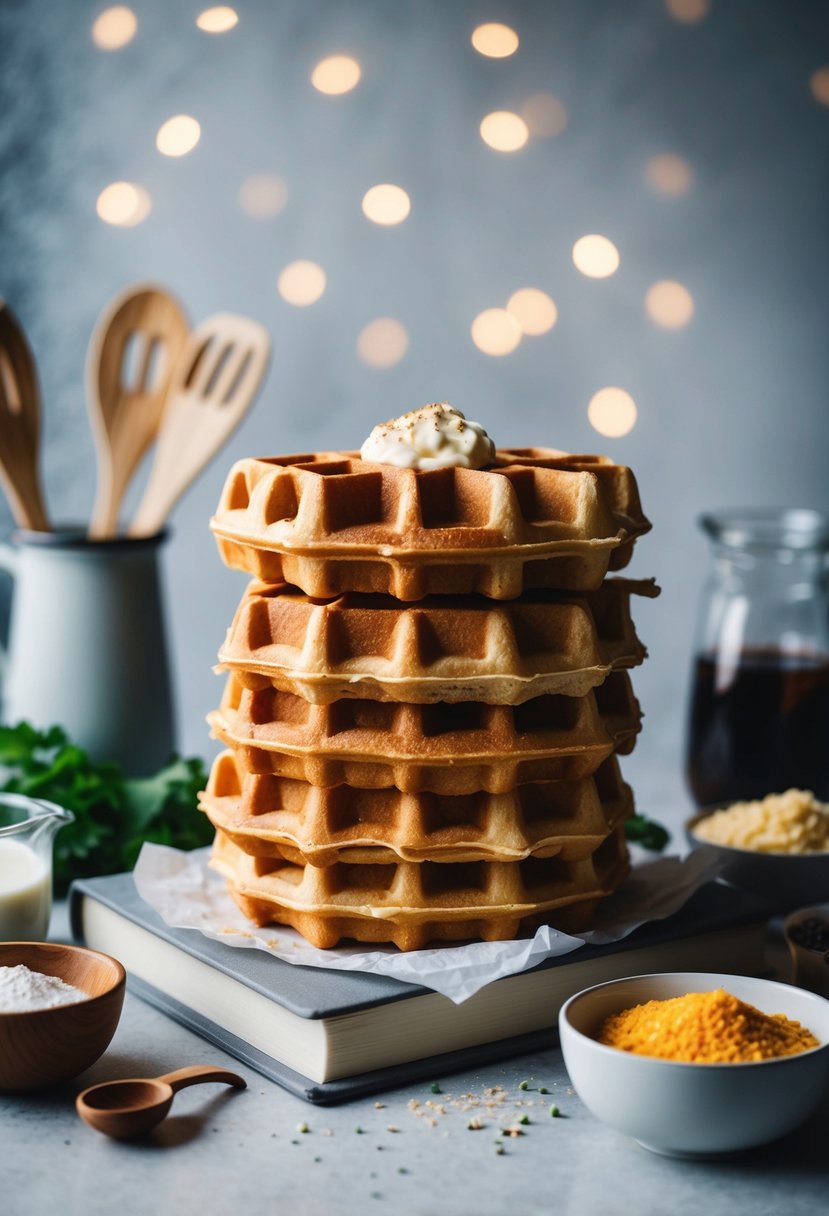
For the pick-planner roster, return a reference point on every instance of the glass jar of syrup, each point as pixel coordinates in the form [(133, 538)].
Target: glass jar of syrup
[(759, 713)]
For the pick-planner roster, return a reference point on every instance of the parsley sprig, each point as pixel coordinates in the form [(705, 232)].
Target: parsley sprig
[(114, 814), (647, 833)]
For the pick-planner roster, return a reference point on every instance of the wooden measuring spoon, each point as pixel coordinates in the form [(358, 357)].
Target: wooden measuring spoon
[(20, 425), (134, 349), (215, 382), (123, 1109)]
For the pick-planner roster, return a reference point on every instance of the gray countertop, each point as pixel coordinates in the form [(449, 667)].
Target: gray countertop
[(226, 1151)]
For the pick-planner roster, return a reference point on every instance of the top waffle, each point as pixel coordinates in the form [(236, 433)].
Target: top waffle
[(330, 522)]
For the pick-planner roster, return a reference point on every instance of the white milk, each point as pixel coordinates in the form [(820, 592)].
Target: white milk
[(25, 893)]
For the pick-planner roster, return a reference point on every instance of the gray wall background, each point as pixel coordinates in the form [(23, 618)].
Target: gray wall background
[(732, 409)]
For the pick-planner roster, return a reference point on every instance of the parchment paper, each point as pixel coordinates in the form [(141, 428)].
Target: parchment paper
[(188, 895)]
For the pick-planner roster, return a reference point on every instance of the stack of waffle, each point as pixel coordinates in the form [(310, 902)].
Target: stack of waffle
[(427, 690)]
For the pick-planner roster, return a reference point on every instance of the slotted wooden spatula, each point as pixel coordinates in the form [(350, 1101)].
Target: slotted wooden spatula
[(214, 384), (20, 425), (132, 356)]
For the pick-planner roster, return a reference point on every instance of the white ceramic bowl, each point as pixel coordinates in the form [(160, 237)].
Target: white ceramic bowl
[(787, 880), (694, 1110)]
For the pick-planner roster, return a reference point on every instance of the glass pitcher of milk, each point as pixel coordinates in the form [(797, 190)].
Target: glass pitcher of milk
[(28, 827)]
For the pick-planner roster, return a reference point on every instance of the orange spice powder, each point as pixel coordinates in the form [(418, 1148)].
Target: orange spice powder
[(705, 1028)]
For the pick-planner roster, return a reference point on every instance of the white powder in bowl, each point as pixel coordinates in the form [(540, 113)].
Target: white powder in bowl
[(22, 989)]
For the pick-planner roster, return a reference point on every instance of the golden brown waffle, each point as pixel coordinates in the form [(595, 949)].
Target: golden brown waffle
[(441, 649), (270, 816), (446, 749), (330, 522), (412, 904)]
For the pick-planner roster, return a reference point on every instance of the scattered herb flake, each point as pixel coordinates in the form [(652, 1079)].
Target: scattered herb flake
[(554, 1111), (542, 1089), (524, 1085), (435, 1088)]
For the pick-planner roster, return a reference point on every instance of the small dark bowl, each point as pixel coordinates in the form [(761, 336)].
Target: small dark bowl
[(811, 967), (787, 880), (41, 1047)]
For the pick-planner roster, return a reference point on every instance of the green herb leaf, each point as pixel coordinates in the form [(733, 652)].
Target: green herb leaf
[(114, 814), (647, 832)]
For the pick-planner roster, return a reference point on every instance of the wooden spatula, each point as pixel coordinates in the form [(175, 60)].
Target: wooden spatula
[(20, 425), (215, 382), (135, 347)]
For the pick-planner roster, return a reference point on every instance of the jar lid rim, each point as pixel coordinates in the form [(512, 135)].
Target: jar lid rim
[(768, 527)]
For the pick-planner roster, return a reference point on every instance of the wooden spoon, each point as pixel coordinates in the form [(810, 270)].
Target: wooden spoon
[(123, 1109), (20, 425), (215, 382), (134, 349)]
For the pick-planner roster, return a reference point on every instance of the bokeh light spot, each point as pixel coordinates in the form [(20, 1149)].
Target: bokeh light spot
[(688, 11), (178, 135), (386, 204), (263, 195), (545, 115), (612, 412), (819, 84), (495, 40), (123, 204), (336, 74), (495, 332), (669, 175), (114, 28), (301, 283), (533, 309), (217, 20), (504, 131), (595, 256), (669, 304), (382, 342)]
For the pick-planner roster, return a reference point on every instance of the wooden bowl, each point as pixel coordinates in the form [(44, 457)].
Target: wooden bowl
[(46, 1046)]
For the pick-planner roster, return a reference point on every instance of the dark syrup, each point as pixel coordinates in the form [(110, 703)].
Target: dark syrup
[(760, 728)]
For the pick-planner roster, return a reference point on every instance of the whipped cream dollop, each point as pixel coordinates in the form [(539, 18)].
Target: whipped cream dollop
[(433, 437)]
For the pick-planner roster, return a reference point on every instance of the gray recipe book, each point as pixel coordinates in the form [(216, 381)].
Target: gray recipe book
[(329, 1036)]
